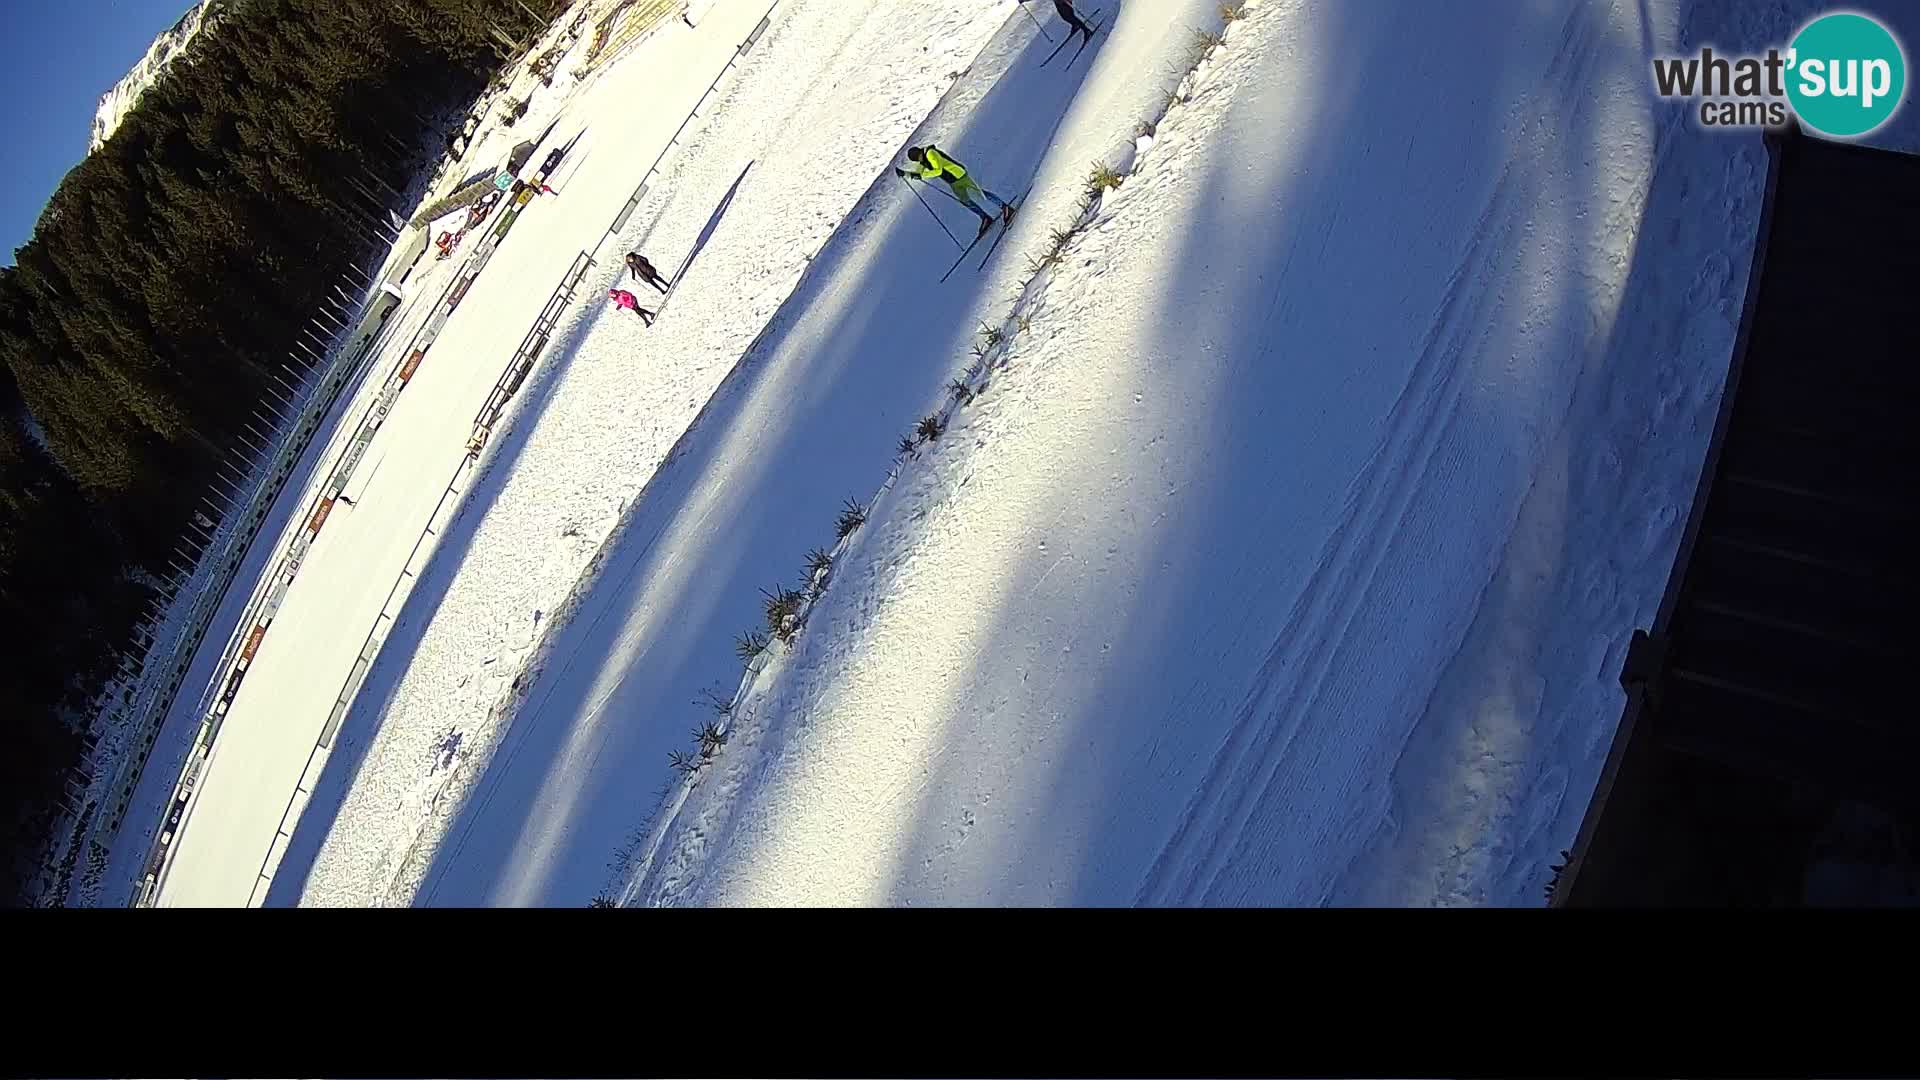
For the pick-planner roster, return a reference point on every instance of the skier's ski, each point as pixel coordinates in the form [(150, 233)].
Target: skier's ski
[(1084, 42), (1063, 42), (963, 255), (1006, 222)]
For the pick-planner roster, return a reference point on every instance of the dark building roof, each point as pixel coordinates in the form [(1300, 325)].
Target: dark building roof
[(1772, 730)]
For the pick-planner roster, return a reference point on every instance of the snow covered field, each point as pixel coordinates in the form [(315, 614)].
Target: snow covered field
[(823, 99), (1285, 556), (257, 765), (1290, 559)]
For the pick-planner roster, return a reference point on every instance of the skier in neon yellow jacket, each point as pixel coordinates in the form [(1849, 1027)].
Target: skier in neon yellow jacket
[(932, 164)]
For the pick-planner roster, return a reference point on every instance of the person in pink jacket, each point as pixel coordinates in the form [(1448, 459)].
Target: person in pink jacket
[(625, 299)]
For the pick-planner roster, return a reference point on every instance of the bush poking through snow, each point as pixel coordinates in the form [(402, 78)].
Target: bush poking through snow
[(1103, 178), (716, 700), (930, 428), (961, 392), (602, 902), (1026, 323), (908, 448), (819, 561), (1144, 129), (710, 737), (1232, 13), (992, 334), (1204, 42), (851, 517), (783, 610), (750, 645), (685, 761)]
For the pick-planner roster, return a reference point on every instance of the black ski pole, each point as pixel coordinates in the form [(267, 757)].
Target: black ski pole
[(929, 206), (1036, 21)]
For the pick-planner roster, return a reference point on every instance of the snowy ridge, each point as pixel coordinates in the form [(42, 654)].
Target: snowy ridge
[(117, 102)]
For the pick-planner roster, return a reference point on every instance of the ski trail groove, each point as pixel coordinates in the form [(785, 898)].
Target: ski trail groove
[(1215, 820)]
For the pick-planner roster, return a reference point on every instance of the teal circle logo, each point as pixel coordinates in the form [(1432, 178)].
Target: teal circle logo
[(1847, 75)]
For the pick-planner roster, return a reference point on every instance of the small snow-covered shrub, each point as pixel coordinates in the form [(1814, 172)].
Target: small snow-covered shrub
[(782, 606), (717, 700), (852, 516), (710, 738), (750, 645), (818, 561)]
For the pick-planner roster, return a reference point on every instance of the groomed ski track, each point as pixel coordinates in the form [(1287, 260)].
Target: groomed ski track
[(1290, 558), (1286, 560), (856, 356)]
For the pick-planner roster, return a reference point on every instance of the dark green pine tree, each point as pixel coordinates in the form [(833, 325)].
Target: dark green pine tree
[(169, 275)]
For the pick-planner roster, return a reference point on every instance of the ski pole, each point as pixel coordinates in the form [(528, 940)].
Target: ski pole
[(929, 206), (1036, 20)]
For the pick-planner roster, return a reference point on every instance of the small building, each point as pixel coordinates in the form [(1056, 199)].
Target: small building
[(1769, 755)]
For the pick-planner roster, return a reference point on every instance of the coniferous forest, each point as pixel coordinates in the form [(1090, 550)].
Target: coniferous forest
[(163, 285)]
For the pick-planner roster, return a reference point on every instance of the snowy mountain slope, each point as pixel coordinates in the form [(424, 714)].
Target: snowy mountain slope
[(1290, 559), (854, 358), (824, 98), (117, 102), (1287, 559)]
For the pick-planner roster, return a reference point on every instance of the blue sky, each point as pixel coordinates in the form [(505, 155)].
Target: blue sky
[(56, 58)]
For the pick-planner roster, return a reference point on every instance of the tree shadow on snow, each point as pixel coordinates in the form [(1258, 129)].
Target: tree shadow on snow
[(1617, 483), (1256, 780), (360, 728), (808, 416)]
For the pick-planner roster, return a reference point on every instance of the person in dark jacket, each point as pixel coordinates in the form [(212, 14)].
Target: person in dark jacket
[(643, 270)]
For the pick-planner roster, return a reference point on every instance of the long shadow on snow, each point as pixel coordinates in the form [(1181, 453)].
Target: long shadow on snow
[(807, 417), (1287, 314), (1637, 431), (706, 233), (361, 727)]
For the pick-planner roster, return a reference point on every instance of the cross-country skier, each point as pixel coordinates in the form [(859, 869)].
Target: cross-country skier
[(643, 271), (931, 163), (625, 299)]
